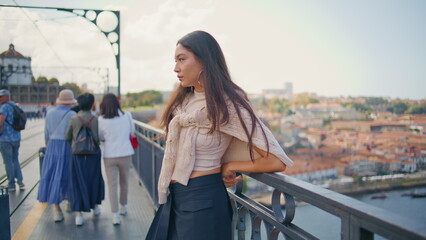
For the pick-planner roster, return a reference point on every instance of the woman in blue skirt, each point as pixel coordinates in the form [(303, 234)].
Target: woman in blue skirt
[(212, 133), (54, 179), (87, 189)]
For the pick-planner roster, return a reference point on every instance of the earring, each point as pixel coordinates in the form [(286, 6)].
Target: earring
[(198, 78)]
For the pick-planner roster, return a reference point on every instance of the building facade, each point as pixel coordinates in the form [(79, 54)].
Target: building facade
[(15, 68), (17, 77)]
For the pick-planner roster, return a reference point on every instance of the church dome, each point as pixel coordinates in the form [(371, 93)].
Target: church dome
[(11, 53)]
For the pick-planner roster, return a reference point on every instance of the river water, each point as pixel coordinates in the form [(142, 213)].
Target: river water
[(326, 226)]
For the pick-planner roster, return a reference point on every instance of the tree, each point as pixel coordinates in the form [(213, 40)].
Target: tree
[(53, 80), (304, 99), (73, 87), (145, 98), (41, 79), (417, 109), (263, 102), (360, 107), (398, 107), (276, 105), (151, 97)]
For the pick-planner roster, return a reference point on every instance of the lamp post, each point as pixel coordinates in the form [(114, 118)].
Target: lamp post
[(92, 15)]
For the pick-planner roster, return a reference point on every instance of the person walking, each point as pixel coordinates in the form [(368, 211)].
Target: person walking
[(10, 140), (211, 133), (115, 127), (87, 188), (54, 181)]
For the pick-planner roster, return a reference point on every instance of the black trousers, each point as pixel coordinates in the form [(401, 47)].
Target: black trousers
[(200, 210)]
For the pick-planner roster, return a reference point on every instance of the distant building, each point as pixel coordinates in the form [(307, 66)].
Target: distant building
[(286, 92), (317, 175), (388, 127), (17, 77), (15, 68), (35, 93)]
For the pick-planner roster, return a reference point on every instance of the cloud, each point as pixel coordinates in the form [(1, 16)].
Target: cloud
[(149, 43), (60, 45), (330, 52)]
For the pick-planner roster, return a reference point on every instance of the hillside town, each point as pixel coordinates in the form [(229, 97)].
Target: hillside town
[(333, 144)]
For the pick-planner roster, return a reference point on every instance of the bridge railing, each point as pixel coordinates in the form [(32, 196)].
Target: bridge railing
[(359, 221)]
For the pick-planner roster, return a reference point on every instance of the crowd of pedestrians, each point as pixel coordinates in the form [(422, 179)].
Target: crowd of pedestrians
[(76, 178)]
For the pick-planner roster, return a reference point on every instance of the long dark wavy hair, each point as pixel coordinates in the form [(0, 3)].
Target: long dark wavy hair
[(218, 87), (110, 106)]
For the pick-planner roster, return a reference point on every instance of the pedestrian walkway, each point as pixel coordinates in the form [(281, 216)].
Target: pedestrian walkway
[(33, 220), (32, 138)]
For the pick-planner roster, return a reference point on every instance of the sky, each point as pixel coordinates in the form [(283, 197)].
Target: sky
[(330, 47)]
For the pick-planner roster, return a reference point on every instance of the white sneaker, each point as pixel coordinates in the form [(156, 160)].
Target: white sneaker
[(96, 211), (58, 216), (123, 210), (79, 220), (116, 219)]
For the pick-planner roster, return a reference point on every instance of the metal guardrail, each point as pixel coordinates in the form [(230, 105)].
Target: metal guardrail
[(148, 157), (359, 221)]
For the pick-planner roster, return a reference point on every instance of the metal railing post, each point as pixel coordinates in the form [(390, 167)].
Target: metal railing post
[(153, 173), (4, 215)]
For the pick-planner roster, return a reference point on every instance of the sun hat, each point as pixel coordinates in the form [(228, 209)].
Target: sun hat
[(4, 92), (66, 96)]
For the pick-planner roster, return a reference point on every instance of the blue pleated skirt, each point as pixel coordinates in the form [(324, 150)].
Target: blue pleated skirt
[(87, 187), (200, 210), (53, 187)]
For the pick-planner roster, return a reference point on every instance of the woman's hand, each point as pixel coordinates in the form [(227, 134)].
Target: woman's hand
[(228, 176)]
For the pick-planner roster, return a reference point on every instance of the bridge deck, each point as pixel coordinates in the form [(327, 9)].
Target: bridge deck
[(33, 220)]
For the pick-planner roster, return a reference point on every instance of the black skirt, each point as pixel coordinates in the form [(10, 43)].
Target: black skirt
[(200, 210), (87, 187)]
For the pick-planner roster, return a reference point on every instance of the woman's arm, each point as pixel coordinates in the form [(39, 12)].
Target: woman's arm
[(265, 163)]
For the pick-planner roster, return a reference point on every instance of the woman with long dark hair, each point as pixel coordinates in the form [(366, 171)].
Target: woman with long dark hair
[(212, 133), (115, 127)]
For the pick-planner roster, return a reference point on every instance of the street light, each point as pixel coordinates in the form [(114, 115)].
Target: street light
[(92, 15)]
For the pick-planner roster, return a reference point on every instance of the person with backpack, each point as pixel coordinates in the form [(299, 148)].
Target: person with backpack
[(87, 188), (10, 140), (54, 180)]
